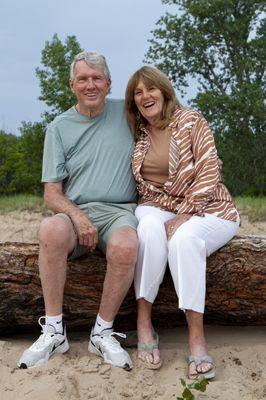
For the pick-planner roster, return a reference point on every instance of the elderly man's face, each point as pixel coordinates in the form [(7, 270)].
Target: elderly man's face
[(90, 86)]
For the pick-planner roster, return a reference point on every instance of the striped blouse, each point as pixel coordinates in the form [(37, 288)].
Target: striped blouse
[(194, 184)]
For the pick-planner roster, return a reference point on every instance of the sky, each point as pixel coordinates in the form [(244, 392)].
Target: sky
[(119, 29)]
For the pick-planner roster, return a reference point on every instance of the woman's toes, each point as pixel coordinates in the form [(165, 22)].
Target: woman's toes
[(206, 367), (156, 356), (146, 357), (203, 368), (192, 369)]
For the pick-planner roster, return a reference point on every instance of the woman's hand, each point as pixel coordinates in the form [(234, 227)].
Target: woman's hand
[(173, 224)]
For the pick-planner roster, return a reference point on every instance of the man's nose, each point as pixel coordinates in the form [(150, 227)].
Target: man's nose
[(90, 83)]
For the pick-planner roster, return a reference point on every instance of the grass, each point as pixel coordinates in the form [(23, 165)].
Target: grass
[(253, 207), (21, 202)]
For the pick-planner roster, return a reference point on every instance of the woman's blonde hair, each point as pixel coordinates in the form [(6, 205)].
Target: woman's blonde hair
[(150, 76)]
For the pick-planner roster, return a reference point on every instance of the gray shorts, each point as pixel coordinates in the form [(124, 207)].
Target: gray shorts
[(107, 217)]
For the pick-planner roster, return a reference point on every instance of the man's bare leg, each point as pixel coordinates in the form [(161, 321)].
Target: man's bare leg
[(121, 258), (57, 240)]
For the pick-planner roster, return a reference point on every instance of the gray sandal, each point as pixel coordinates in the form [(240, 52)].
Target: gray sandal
[(198, 360), (149, 349)]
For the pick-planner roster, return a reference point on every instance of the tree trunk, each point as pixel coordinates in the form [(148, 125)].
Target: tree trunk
[(236, 289)]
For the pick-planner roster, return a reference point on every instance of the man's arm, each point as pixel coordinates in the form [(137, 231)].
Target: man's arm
[(56, 201)]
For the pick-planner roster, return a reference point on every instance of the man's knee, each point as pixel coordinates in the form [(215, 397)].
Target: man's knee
[(55, 231), (122, 248)]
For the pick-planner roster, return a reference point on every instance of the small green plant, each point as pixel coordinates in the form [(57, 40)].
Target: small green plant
[(199, 384)]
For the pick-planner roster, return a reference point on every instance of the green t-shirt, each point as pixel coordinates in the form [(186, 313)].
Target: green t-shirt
[(92, 156)]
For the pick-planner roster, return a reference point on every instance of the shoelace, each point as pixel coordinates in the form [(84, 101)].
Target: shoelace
[(46, 330), (111, 340)]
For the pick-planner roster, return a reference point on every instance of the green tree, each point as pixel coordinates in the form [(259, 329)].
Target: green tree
[(220, 43), (7, 168), (21, 157), (26, 159), (54, 75)]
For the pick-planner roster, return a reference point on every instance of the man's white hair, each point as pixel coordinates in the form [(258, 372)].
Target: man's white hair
[(92, 58)]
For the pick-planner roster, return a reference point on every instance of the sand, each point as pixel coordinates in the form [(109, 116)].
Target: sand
[(239, 354), (23, 226)]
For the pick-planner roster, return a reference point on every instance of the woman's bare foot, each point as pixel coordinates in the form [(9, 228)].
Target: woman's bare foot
[(146, 337), (197, 347), (197, 344)]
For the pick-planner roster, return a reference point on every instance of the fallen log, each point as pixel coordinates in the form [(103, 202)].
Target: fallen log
[(236, 289)]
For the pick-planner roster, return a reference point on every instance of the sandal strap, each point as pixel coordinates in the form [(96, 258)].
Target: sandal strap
[(150, 346), (200, 359)]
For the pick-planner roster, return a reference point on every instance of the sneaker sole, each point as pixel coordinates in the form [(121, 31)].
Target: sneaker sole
[(63, 348), (92, 349)]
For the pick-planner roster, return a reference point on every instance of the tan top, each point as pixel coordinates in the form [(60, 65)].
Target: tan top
[(155, 167), (194, 184)]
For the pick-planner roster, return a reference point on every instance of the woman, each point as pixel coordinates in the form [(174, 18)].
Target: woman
[(185, 211)]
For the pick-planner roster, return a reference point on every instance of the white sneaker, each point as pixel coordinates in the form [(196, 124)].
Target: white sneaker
[(49, 342), (106, 346)]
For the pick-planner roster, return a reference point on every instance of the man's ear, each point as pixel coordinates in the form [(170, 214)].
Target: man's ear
[(71, 85), (109, 85)]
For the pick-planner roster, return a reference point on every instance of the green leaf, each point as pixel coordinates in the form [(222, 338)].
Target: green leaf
[(183, 382), (187, 395)]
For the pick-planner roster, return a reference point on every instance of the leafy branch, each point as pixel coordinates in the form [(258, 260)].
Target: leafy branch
[(199, 384)]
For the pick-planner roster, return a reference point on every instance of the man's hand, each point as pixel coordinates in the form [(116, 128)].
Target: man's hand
[(56, 201), (87, 232), (173, 224)]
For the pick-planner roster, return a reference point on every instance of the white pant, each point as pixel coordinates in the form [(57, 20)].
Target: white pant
[(186, 253)]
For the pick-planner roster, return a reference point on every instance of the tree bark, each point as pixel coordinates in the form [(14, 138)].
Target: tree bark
[(236, 289)]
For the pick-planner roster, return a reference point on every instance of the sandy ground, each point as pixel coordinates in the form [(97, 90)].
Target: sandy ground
[(239, 354), (23, 226)]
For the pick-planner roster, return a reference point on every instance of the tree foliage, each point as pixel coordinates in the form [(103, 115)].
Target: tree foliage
[(7, 168), (21, 157), (54, 75), (21, 160), (28, 159), (221, 44)]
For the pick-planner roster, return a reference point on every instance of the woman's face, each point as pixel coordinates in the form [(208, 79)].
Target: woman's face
[(149, 101)]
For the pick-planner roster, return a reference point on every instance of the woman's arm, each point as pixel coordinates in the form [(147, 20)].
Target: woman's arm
[(207, 175), (206, 168)]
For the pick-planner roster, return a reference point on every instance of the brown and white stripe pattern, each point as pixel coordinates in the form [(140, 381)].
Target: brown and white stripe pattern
[(194, 185)]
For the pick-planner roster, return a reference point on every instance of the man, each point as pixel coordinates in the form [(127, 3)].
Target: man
[(90, 188)]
